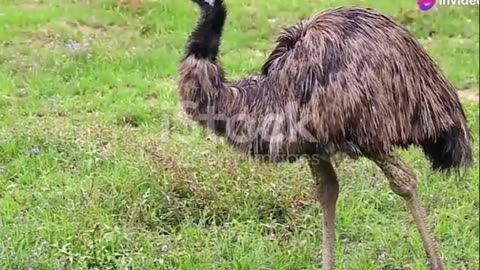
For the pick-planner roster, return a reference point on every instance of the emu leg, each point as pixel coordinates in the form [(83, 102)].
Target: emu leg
[(326, 192), (404, 183)]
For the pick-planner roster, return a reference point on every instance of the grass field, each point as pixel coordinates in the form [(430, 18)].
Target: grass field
[(99, 169)]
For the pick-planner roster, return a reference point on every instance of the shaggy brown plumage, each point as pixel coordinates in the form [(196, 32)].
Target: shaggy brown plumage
[(348, 80), (359, 83)]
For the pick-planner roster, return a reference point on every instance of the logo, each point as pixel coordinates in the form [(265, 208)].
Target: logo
[(425, 5)]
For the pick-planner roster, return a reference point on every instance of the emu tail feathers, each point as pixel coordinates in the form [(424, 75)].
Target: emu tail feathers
[(451, 150), (204, 41)]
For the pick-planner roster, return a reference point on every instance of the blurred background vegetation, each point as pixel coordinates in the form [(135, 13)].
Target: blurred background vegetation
[(99, 169)]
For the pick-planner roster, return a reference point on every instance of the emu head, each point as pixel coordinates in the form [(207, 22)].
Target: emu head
[(202, 3)]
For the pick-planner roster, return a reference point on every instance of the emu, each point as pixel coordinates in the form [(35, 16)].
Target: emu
[(347, 80)]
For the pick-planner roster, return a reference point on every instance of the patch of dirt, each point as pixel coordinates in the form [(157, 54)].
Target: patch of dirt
[(450, 41), (80, 36), (32, 5), (86, 28), (151, 96), (48, 39), (469, 95), (131, 5), (77, 36)]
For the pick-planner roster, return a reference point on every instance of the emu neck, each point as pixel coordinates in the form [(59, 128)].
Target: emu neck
[(200, 79), (204, 41), (201, 88)]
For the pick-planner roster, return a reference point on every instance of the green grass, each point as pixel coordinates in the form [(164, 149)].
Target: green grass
[(99, 169)]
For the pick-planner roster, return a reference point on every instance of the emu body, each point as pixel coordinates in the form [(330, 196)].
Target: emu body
[(347, 80)]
